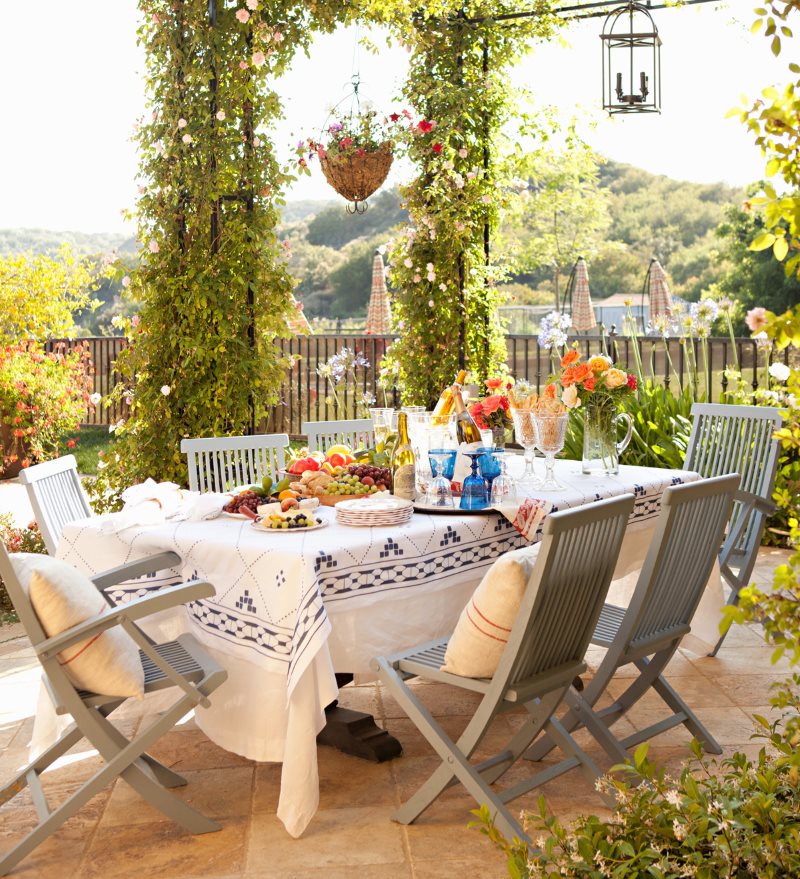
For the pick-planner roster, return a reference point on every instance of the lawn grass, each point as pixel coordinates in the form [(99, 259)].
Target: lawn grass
[(89, 442)]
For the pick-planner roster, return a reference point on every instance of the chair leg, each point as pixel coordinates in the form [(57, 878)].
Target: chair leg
[(692, 722)]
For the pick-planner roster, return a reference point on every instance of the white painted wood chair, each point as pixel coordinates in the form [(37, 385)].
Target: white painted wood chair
[(223, 463), (181, 664), (355, 433), (738, 439), (544, 653), (647, 633), (56, 496)]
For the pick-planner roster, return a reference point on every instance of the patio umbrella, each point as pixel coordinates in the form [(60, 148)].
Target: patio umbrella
[(298, 323), (657, 289), (583, 318), (379, 314)]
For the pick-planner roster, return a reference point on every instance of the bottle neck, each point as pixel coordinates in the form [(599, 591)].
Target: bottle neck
[(458, 400), (402, 429)]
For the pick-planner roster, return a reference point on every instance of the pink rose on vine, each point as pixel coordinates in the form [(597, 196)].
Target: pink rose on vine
[(259, 59), (243, 15)]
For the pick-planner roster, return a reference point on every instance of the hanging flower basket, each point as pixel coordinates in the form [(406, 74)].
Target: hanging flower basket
[(355, 177)]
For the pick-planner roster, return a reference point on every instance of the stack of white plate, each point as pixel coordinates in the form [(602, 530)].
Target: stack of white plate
[(374, 511)]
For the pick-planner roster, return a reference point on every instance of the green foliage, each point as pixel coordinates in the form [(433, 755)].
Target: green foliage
[(40, 294), (739, 817), (92, 444), (48, 243), (331, 227), (16, 539), (43, 398), (773, 120)]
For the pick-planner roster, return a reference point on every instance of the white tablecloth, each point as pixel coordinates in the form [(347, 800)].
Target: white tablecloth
[(292, 608)]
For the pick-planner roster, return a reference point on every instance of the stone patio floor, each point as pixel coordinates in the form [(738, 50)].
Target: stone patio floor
[(117, 835)]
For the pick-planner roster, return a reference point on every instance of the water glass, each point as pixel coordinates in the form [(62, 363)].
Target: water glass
[(489, 464), (383, 423), (504, 489), (439, 493), (446, 459)]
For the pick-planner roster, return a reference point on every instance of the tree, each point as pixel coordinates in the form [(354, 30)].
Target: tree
[(39, 295), (561, 214)]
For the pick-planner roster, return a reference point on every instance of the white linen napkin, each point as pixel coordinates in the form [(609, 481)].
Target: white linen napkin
[(153, 503)]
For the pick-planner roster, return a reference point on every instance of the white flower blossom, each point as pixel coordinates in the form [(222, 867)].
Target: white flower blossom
[(780, 371), (95, 399), (166, 390)]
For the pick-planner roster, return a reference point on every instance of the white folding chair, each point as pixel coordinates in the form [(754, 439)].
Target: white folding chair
[(222, 463), (738, 439), (675, 572), (181, 664), (356, 433), (543, 655), (57, 497)]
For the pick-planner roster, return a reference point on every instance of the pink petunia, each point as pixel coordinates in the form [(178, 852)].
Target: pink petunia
[(243, 15)]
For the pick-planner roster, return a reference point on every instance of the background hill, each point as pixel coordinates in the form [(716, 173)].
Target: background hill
[(699, 232)]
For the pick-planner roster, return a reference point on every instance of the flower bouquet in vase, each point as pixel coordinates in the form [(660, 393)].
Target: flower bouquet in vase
[(493, 412), (598, 386)]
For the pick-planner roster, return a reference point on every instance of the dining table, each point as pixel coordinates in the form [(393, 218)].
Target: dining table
[(294, 608)]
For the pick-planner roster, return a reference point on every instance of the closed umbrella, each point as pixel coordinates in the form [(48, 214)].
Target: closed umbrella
[(379, 314), (657, 289), (298, 322), (583, 318)]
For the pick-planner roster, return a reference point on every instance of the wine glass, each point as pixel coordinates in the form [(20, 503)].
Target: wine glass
[(473, 489), (527, 434), (504, 489), (382, 420), (439, 492), (489, 465), (552, 431)]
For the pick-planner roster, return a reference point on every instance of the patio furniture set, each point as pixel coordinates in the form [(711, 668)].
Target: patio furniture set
[(255, 632)]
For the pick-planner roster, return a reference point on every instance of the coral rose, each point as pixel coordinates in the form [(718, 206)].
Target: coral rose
[(569, 358), (590, 382), (549, 392), (616, 378), (492, 404), (493, 383)]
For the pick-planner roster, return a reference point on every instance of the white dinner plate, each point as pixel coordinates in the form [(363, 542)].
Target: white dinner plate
[(235, 515), (259, 527)]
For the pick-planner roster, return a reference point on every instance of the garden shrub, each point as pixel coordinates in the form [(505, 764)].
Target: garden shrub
[(16, 539)]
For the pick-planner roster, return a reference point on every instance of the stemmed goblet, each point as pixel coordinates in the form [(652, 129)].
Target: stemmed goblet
[(504, 490), (439, 492), (527, 434), (473, 489), (552, 431)]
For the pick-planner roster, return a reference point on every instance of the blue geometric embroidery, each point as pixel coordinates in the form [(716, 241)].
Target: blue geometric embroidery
[(638, 490), (390, 546), (245, 602), (325, 557), (450, 536)]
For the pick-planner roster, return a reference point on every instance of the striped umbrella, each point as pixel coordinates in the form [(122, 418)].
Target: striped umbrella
[(298, 322), (583, 318), (379, 314), (657, 289)]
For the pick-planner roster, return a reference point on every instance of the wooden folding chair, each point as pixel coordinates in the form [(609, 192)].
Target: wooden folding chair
[(678, 564), (738, 439), (356, 433), (181, 664), (223, 463), (543, 655), (57, 497)]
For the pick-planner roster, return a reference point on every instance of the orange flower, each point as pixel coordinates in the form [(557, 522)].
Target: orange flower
[(569, 358), (582, 372), (549, 392), (599, 363), (568, 376), (589, 383)]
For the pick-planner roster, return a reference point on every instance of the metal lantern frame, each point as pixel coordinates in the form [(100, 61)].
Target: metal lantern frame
[(625, 98)]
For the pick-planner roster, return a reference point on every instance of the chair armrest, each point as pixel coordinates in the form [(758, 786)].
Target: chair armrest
[(138, 568), (762, 505), (171, 596)]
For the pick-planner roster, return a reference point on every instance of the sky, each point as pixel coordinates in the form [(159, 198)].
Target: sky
[(68, 162)]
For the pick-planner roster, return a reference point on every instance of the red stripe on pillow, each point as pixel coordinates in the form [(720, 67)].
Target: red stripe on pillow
[(488, 635), (85, 647), (494, 625)]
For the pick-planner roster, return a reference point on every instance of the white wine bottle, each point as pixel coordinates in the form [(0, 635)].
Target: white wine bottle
[(403, 463), (466, 429), (444, 405)]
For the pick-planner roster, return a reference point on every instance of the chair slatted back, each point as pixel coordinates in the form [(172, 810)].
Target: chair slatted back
[(737, 439), (567, 589), (57, 497), (223, 463), (680, 560), (356, 433)]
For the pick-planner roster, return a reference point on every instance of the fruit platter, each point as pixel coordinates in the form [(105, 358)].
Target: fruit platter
[(339, 475), (246, 503), (291, 520)]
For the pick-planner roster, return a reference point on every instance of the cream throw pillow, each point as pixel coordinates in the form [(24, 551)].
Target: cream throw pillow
[(107, 663), (485, 624)]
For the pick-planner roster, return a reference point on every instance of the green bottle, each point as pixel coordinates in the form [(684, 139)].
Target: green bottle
[(403, 463)]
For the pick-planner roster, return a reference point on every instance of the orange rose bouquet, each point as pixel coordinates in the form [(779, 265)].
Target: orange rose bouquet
[(597, 377), (493, 410)]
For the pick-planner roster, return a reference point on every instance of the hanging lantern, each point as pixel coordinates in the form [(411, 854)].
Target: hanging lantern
[(631, 61)]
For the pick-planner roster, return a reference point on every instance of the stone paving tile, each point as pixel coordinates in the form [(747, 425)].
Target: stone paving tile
[(117, 835)]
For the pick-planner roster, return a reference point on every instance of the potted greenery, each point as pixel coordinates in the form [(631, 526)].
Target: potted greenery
[(43, 396)]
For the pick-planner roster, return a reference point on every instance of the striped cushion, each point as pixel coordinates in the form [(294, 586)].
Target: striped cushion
[(483, 628), (107, 663)]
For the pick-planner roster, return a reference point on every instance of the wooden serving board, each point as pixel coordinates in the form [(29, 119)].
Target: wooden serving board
[(330, 500)]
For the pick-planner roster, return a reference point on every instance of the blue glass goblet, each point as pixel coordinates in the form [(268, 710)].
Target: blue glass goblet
[(489, 465), (447, 458), (473, 490)]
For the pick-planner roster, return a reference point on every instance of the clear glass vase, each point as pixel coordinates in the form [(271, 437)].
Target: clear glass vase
[(601, 450)]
